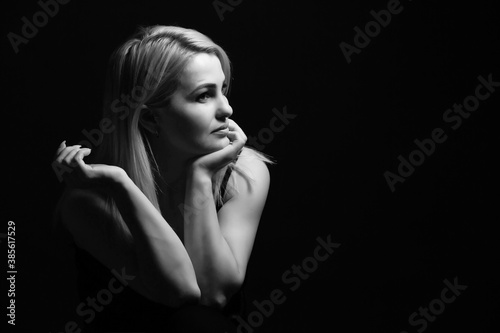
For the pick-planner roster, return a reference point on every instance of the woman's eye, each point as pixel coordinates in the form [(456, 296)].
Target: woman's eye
[(203, 97)]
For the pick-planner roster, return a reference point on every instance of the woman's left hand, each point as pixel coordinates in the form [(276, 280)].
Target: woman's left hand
[(212, 162)]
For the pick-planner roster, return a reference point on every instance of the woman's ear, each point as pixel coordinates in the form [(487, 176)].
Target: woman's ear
[(148, 121)]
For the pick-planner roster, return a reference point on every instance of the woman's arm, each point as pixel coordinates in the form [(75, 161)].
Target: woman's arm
[(164, 264), (220, 244), (154, 253)]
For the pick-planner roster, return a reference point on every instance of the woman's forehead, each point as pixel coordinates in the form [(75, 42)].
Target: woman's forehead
[(202, 68)]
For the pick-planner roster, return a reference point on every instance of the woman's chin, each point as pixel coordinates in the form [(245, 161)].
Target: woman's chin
[(213, 146), (221, 143)]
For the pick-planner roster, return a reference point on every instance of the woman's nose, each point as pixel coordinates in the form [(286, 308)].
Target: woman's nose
[(225, 110)]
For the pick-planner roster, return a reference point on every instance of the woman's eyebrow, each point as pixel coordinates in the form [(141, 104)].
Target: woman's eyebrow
[(207, 85)]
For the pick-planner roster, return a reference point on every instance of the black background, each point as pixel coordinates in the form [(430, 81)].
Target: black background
[(353, 121)]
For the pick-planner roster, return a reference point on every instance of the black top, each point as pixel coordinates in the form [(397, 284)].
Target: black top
[(123, 309)]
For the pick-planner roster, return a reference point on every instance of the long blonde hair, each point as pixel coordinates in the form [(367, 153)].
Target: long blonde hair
[(144, 72)]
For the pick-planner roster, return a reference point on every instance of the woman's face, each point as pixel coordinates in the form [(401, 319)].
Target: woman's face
[(198, 109)]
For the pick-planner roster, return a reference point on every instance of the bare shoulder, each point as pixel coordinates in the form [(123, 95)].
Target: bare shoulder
[(252, 175), (254, 165), (240, 215)]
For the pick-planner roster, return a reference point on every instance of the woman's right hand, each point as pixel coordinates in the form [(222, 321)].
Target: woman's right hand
[(84, 175)]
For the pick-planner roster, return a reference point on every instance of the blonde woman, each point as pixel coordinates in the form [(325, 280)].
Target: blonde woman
[(170, 201)]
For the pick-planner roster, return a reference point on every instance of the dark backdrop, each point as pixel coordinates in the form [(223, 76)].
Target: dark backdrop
[(352, 122)]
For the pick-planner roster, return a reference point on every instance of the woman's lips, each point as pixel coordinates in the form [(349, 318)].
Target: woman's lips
[(222, 131), (223, 128)]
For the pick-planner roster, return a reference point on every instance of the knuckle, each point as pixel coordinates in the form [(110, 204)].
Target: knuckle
[(78, 156), (68, 160)]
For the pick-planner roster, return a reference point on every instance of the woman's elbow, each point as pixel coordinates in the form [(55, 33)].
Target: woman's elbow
[(218, 300), (220, 297)]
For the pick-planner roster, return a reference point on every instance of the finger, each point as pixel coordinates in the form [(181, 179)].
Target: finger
[(235, 147), (83, 152), (69, 159), (233, 126), (66, 151), (236, 131), (77, 154), (60, 148), (80, 155), (79, 159), (238, 138), (62, 155)]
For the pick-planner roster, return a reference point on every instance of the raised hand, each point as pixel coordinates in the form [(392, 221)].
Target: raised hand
[(85, 175), (212, 162)]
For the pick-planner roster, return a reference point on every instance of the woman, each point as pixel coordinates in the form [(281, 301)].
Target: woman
[(173, 198)]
